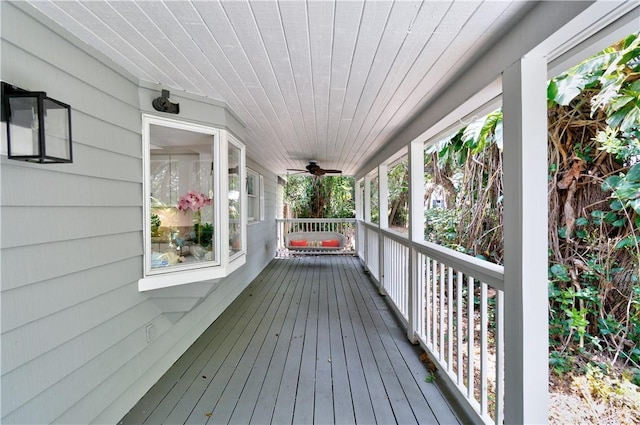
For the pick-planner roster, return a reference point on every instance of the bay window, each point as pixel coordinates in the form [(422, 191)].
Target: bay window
[(183, 211)]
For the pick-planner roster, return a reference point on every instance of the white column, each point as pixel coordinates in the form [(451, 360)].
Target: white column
[(359, 213), (367, 219), (367, 200), (416, 191), (359, 200), (525, 241), (383, 195), (383, 219), (416, 233)]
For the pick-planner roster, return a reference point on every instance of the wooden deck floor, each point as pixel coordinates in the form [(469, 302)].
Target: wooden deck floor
[(309, 341)]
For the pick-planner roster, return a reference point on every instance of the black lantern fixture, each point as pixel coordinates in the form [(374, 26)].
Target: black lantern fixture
[(38, 127)]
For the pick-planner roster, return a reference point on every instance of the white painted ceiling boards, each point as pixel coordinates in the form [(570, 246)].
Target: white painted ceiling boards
[(325, 80)]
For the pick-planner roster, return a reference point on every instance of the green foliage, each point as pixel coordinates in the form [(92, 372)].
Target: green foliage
[(375, 202), (625, 188), (327, 196), (155, 225), (589, 283), (559, 363), (442, 227), (430, 378), (484, 131), (619, 96), (205, 232), (398, 185), (622, 148)]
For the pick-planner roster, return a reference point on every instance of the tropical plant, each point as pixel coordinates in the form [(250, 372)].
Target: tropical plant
[(594, 201), (318, 197)]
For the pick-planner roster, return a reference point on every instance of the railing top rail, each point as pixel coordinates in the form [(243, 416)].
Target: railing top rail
[(315, 220)]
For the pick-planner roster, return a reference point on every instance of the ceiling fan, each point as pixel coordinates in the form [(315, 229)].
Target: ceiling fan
[(315, 170)]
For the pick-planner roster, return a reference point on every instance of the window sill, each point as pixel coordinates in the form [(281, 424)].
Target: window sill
[(169, 279)]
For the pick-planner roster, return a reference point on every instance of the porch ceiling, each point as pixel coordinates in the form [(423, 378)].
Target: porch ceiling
[(331, 81)]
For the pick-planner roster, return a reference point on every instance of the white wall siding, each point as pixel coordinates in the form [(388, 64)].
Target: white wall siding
[(74, 346)]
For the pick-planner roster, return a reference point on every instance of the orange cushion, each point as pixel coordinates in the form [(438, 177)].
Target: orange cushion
[(333, 243), (298, 243)]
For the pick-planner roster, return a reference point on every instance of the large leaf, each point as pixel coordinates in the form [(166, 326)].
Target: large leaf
[(568, 87), (626, 242), (634, 173), (627, 190), (611, 182), (472, 134), (482, 131), (635, 204), (559, 271), (498, 134), (595, 64), (632, 118)]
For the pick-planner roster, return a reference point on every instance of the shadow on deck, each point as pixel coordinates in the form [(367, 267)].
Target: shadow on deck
[(309, 341)]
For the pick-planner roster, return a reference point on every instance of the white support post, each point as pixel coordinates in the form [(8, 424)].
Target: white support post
[(366, 215), (525, 241), (383, 195), (359, 214), (359, 200), (383, 220), (416, 233), (416, 191)]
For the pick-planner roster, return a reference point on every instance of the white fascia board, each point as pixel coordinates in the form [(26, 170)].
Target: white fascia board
[(614, 21)]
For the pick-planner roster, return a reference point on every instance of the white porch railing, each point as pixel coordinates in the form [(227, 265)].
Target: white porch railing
[(344, 226), (456, 312)]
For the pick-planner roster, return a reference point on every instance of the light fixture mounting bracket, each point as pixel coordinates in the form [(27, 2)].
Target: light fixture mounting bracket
[(163, 104)]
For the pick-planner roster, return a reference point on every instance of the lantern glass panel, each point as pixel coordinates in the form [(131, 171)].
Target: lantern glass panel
[(57, 131), (24, 127)]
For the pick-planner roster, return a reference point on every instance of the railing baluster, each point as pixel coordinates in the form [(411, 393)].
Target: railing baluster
[(499, 332), (434, 301), (406, 273), (459, 309), (484, 325), (470, 342), (442, 312), (427, 302), (450, 320), (420, 293)]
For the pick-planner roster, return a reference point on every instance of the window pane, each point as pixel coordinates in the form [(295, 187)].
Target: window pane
[(235, 196), (253, 195), (181, 186)]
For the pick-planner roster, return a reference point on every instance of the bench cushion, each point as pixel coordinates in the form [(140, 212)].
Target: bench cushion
[(332, 243), (318, 241)]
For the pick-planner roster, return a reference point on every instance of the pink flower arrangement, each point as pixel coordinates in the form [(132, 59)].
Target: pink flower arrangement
[(193, 201)]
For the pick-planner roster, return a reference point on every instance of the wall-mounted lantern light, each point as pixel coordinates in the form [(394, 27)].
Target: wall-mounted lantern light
[(38, 127)]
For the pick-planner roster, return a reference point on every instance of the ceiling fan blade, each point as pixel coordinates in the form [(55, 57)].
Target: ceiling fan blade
[(333, 171), (295, 169)]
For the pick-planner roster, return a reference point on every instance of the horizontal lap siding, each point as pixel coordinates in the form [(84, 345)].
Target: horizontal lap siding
[(72, 316), (74, 346)]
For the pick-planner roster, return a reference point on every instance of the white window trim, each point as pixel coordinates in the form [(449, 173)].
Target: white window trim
[(261, 197), (229, 139), (258, 195)]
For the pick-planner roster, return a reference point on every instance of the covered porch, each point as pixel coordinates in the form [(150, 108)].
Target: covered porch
[(309, 341), (350, 85)]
